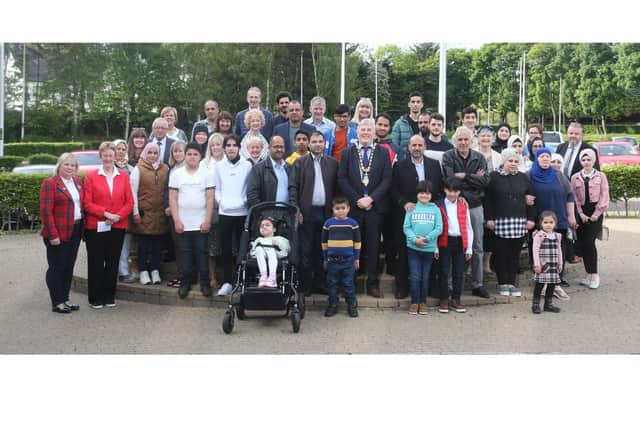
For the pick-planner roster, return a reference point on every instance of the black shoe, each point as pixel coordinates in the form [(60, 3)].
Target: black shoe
[(480, 292), (72, 307), (183, 291), (206, 290), (564, 283), (535, 306), (352, 310), (63, 310), (548, 306), (331, 310)]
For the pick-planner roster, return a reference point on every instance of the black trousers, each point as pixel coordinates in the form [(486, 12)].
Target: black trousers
[(312, 274), (587, 233), (370, 225), (230, 232), (506, 258), (103, 255), (61, 259), (402, 264)]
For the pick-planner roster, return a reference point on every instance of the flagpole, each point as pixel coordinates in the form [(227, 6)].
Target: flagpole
[(442, 88), (342, 73)]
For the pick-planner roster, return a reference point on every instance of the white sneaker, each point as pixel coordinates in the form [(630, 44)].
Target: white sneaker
[(155, 277), (504, 290), (144, 278), (515, 292), (595, 282), (112, 305), (225, 289)]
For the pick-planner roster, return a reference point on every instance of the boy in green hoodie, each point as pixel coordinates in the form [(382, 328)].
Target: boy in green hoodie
[(422, 226)]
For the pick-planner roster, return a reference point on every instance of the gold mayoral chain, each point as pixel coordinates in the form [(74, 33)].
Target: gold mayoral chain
[(365, 171)]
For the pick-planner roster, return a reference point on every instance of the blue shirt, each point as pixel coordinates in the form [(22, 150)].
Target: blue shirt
[(282, 193)]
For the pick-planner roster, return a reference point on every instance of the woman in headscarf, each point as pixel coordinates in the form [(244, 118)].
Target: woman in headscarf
[(503, 132), (515, 142), (123, 166), (148, 181), (591, 190)]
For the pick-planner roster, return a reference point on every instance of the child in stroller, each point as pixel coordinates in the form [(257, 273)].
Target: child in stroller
[(267, 249)]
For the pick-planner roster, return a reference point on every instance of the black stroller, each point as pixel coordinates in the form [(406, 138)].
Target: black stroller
[(246, 294)]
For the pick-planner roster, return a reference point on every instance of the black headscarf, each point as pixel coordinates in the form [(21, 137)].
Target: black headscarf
[(500, 144)]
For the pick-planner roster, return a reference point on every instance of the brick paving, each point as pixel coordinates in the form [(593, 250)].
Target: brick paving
[(606, 320)]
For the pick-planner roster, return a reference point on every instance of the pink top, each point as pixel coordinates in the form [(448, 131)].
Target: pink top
[(598, 191)]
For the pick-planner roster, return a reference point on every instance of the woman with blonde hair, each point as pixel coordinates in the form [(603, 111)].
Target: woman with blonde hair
[(61, 198), (170, 114), (363, 110), (254, 120)]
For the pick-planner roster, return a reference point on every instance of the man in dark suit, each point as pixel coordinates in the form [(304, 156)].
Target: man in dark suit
[(288, 130), (316, 179), (159, 136), (272, 180), (407, 173), (254, 96), (571, 149), (364, 177)]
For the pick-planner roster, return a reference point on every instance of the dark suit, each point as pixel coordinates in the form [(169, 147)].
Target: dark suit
[(262, 183), (312, 272), (562, 150), (403, 190), (350, 183), (283, 131)]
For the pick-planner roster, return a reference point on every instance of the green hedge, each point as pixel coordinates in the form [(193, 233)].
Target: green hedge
[(26, 149), (624, 182), (42, 159), (20, 195), (7, 163)]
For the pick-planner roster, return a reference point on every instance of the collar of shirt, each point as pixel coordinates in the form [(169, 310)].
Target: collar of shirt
[(417, 163), (101, 171), (314, 157), (449, 202), (360, 146), (275, 164)]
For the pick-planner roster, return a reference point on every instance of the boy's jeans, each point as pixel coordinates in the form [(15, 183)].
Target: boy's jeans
[(341, 271)]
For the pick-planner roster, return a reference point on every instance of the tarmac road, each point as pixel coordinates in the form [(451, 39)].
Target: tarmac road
[(606, 320)]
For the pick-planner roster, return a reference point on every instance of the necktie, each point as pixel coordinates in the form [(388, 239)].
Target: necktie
[(567, 161), (365, 156)]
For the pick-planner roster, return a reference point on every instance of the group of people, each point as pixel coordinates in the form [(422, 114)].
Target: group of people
[(364, 185)]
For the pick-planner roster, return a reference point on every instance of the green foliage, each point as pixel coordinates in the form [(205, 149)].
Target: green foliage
[(26, 149), (624, 181), (20, 194), (7, 163), (42, 159)]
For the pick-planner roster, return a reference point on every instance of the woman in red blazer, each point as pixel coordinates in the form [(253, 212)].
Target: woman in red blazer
[(107, 203), (61, 214)]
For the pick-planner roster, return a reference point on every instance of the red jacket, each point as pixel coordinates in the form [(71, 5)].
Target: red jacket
[(97, 200), (56, 208), (443, 239)]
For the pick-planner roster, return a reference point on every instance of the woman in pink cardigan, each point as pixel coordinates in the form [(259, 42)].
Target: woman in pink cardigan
[(591, 190)]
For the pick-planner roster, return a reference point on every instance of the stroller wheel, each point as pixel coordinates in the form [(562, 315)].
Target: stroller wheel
[(301, 304), (240, 312), (295, 320), (227, 321)]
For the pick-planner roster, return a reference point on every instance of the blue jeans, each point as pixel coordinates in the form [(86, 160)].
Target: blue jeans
[(419, 270), (193, 246), (452, 260), (341, 272), (144, 240)]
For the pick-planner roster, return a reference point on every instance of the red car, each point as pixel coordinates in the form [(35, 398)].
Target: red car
[(617, 152), (88, 160)]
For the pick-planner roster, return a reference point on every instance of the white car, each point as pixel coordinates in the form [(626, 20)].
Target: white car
[(48, 169)]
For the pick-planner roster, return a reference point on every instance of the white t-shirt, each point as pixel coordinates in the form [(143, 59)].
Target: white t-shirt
[(192, 199)]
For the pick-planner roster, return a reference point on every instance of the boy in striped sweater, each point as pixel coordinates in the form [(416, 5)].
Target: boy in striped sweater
[(341, 250)]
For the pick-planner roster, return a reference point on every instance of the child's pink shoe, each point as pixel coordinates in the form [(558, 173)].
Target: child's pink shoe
[(263, 281), (271, 281)]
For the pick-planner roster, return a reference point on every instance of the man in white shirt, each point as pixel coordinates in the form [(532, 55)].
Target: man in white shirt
[(159, 136), (317, 107), (191, 202)]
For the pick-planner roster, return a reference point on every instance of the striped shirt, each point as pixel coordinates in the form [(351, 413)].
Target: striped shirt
[(341, 238)]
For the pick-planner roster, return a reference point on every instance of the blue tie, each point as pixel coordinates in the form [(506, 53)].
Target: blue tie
[(365, 156)]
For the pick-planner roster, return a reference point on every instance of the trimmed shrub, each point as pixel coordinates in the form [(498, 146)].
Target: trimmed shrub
[(20, 195), (42, 159), (7, 163), (624, 183), (27, 149)]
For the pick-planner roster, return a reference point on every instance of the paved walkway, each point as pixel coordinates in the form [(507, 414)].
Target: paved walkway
[(606, 320)]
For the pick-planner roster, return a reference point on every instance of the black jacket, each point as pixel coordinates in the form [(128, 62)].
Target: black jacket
[(350, 181), (577, 166), (473, 186), (305, 180), (505, 197), (262, 183), (405, 180)]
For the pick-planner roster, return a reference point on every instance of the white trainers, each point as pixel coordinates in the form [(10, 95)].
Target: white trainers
[(225, 289), (595, 282), (144, 278), (155, 277), (515, 292), (503, 290)]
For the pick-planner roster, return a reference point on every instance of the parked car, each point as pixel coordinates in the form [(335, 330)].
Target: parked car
[(616, 152), (630, 139), (552, 139), (48, 169), (88, 160)]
